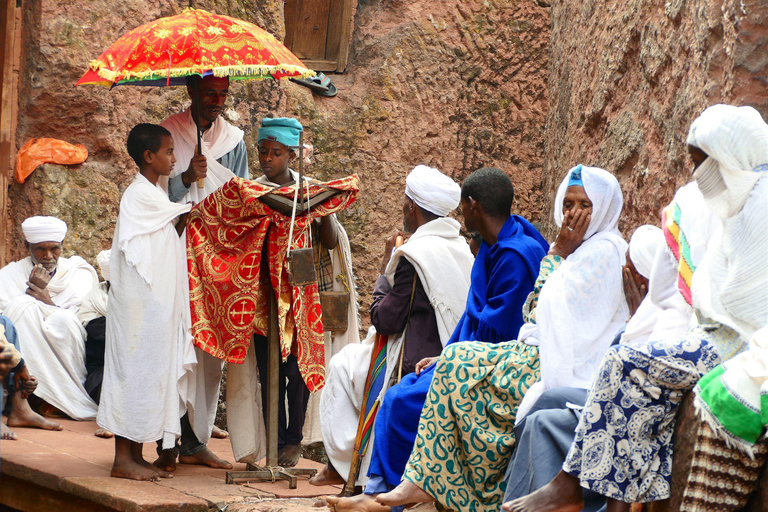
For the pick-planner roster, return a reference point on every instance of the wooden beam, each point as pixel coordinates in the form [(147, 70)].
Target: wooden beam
[(8, 35), (320, 65), (339, 30)]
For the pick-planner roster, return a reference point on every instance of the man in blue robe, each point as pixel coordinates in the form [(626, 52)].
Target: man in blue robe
[(503, 275)]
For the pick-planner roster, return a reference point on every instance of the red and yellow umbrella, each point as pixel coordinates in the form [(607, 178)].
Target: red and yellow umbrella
[(195, 42)]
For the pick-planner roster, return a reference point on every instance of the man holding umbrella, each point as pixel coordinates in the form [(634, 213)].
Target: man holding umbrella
[(223, 155)]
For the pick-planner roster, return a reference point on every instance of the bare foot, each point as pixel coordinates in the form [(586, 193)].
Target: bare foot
[(104, 433), (404, 494), (205, 457), (218, 433), (562, 494), (328, 476), (166, 460), (22, 415), (289, 455), (7, 434), (133, 471), (359, 503)]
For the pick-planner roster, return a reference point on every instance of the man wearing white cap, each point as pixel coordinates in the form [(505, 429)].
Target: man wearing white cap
[(417, 302), (41, 294)]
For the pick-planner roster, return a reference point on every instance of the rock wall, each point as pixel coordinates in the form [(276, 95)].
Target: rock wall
[(627, 77), (454, 84)]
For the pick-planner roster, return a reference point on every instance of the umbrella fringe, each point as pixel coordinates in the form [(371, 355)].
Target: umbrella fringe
[(241, 70)]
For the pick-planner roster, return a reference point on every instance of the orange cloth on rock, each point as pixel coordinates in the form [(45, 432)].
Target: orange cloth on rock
[(225, 236), (47, 151)]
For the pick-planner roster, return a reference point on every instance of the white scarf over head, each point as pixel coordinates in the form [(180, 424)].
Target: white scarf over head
[(218, 140), (736, 141), (582, 304), (731, 284), (432, 190), (644, 246)]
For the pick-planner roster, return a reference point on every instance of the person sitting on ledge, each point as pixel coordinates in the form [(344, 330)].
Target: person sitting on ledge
[(41, 294), (19, 385), (623, 446)]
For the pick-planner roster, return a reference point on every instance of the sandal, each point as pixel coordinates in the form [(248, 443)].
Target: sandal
[(320, 83)]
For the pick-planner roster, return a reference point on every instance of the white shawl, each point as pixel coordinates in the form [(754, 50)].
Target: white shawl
[(582, 304), (218, 140), (73, 279), (149, 355), (52, 339)]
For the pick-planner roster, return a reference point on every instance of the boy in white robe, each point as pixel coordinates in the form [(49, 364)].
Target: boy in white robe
[(149, 351)]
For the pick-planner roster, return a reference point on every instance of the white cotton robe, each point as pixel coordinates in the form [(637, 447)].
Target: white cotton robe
[(51, 338), (149, 353)]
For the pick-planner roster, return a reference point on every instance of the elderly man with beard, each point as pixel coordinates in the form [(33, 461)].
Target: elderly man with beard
[(41, 294)]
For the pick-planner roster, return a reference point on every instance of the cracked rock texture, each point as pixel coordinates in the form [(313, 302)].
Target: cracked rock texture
[(627, 77)]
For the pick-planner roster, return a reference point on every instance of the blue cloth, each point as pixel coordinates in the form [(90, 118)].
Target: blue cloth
[(377, 485), (575, 179), (284, 130), (542, 440), (502, 277), (9, 382)]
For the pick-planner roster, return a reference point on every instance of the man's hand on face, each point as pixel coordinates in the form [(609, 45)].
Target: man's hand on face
[(40, 294), (39, 276), (198, 168)]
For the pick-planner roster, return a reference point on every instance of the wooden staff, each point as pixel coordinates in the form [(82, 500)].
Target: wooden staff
[(354, 468)]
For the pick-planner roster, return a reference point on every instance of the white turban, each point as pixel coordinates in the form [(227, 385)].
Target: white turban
[(44, 229), (645, 241), (432, 190), (103, 261)]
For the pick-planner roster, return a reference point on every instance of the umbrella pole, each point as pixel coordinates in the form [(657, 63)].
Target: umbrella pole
[(201, 181)]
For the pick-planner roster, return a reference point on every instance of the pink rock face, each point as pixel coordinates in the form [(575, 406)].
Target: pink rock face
[(457, 85), (628, 78)]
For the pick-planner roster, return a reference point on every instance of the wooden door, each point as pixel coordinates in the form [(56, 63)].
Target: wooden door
[(317, 32)]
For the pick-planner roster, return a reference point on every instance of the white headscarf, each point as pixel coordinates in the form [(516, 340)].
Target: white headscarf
[(604, 192), (44, 229), (432, 190), (102, 259), (736, 141), (730, 286), (582, 304), (643, 246)]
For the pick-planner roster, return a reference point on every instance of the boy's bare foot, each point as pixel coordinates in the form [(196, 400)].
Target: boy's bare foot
[(166, 461), (22, 415), (404, 494), (7, 434), (205, 457), (138, 458), (289, 455), (218, 433), (359, 503), (104, 433), (125, 466), (328, 476), (562, 494), (133, 471)]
